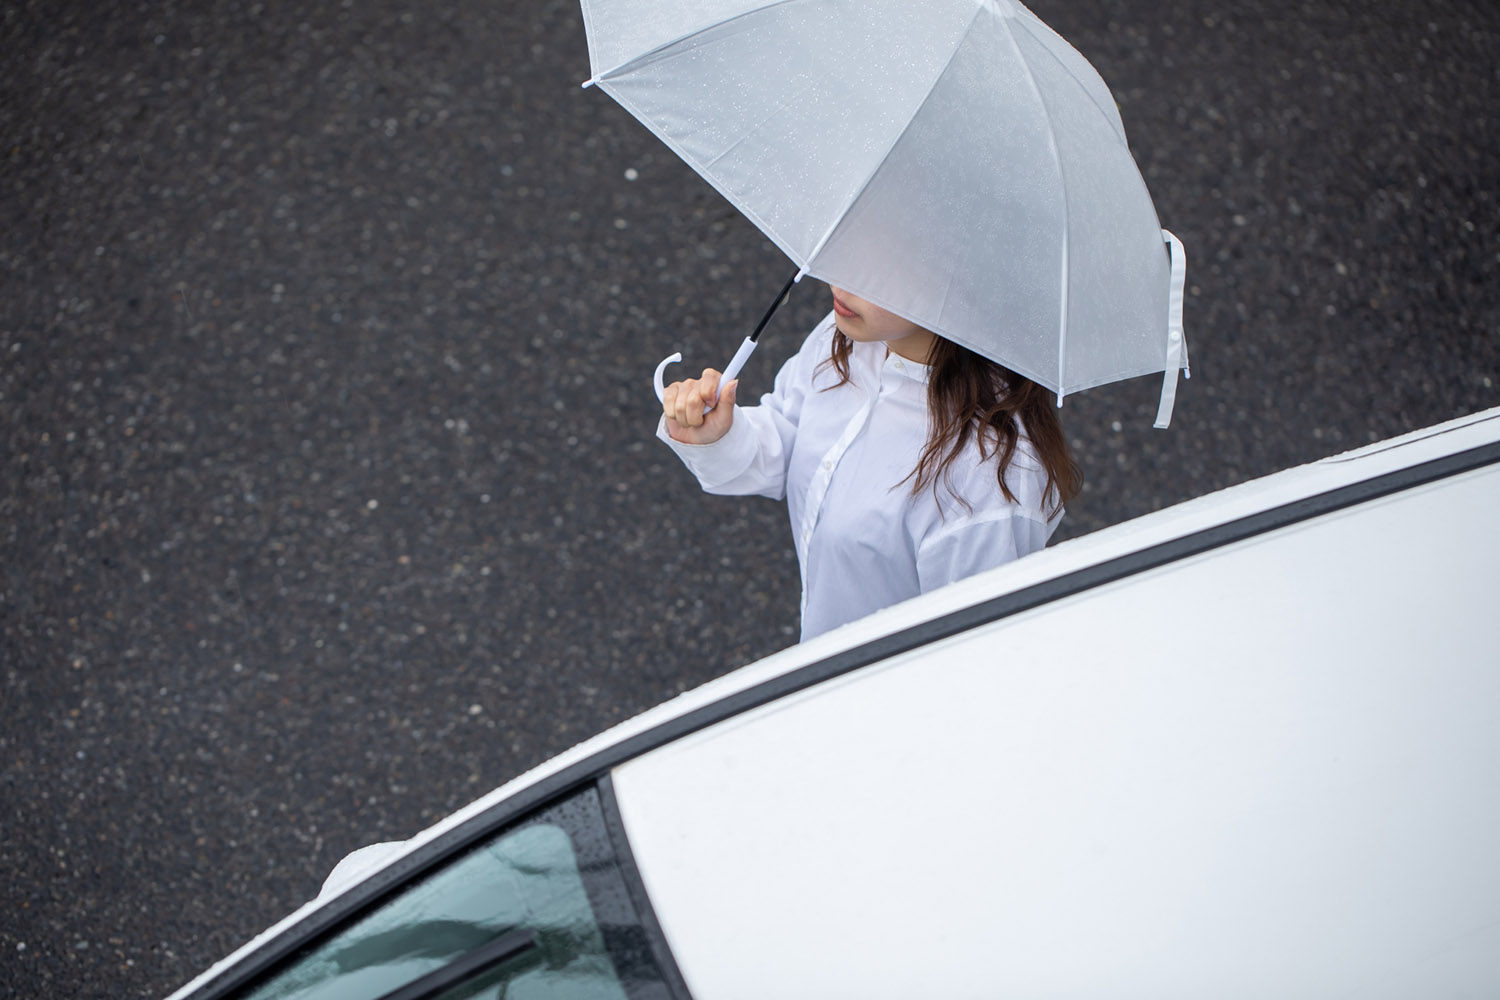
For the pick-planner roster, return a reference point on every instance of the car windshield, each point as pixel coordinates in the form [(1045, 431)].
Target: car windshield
[(511, 918)]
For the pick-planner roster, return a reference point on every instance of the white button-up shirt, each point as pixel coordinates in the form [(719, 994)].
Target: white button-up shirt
[(842, 457)]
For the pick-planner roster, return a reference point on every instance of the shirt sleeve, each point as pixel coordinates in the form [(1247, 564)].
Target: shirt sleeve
[(975, 545), (751, 459)]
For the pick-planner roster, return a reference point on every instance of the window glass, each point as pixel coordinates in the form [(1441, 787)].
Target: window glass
[(553, 875)]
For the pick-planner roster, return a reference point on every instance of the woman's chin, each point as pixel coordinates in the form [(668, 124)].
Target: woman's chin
[(850, 328)]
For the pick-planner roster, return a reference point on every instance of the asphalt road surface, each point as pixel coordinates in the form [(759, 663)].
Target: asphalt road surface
[(328, 497)]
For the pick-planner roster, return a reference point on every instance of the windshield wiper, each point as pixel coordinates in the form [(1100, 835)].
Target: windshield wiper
[(502, 949)]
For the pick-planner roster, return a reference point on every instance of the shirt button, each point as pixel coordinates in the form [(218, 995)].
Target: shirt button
[(827, 463), (899, 365)]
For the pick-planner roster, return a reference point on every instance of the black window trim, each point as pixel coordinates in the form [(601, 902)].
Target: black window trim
[(666, 962), (596, 768)]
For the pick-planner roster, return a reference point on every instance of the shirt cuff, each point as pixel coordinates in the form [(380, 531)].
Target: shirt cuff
[(718, 463)]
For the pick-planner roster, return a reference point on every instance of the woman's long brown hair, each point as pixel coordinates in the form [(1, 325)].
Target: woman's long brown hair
[(971, 397)]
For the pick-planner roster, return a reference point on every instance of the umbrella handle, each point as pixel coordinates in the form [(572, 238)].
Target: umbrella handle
[(661, 390), (747, 346)]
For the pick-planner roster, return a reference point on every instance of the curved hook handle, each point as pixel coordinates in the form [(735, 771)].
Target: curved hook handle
[(730, 373), (661, 390)]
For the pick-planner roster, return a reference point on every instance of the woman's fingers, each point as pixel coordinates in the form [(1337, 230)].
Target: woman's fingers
[(710, 384), (705, 389), (693, 414), (686, 406), (672, 400), (689, 404), (729, 395), (685, 401)]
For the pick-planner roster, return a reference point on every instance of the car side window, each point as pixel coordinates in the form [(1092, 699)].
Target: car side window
[(539, 912)]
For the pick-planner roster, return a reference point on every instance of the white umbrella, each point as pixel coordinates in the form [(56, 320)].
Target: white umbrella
[(953, 161)]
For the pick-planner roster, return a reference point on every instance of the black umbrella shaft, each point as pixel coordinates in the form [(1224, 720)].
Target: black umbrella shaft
[(781, 296)]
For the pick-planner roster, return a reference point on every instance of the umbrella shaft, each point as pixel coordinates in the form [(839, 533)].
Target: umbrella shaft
[(781, 296)]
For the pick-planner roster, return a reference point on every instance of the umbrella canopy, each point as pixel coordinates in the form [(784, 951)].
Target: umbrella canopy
[(953, 161)]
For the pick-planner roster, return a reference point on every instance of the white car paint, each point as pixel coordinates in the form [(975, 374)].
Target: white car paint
[(1272, 769)]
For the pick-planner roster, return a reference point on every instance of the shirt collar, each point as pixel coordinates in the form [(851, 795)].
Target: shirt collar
[(883, 365), (903, 368)]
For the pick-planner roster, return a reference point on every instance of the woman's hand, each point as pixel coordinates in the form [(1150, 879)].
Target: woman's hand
[(683, 404)]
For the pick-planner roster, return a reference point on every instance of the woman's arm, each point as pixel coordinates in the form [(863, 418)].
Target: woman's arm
[(749, 454), (741, 450)]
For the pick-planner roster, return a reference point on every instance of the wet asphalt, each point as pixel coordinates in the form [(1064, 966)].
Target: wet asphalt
[(328, 497)]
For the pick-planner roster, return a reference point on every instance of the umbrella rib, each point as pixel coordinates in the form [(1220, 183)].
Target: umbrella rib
[(1111, 115), (870, 177), (638, 60), (764, 226), (1062, 173)]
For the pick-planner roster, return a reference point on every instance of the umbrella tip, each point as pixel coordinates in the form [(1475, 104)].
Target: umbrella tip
[(590, 82)]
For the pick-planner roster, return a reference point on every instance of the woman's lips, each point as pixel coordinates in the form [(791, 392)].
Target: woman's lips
[(842, 310)]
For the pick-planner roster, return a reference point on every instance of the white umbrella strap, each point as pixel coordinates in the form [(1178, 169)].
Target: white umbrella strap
[(1176, 342)]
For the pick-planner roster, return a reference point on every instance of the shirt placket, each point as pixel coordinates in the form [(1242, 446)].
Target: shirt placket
[(817, 489)]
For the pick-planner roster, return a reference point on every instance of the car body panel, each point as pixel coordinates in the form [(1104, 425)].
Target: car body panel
[(1272, 769)]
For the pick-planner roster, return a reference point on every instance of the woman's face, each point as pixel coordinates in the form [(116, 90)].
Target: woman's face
[(864, 321)]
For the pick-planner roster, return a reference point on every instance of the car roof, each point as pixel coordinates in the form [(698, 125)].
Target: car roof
[(914, 623)]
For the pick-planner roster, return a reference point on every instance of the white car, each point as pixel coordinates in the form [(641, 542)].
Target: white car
[(1247, 746)]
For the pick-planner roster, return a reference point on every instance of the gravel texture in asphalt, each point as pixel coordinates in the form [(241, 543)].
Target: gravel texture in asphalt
[(328, 496)]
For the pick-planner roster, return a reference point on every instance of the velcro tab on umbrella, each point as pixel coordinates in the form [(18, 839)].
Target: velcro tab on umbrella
[(1176, 342)]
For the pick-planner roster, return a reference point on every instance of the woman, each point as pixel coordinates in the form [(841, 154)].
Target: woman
[(907, 461)]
